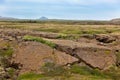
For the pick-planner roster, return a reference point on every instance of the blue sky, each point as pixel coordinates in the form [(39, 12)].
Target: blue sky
[(61, 9)]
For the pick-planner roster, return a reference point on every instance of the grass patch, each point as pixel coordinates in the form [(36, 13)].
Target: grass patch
[(5, 56), (113, 30), (53, 72), (6, 52), (114, 43), (71, 31), (39, 39), (113, 73), (118, 58), (63, 36), (68, 30), (51, 69), (84, 70), (5, 60), (34, 76), (69, 37), (30, 76), (47, 30), (94, 31)]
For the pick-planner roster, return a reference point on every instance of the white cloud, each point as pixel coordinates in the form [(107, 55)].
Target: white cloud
[(93, 1), (69, 1)]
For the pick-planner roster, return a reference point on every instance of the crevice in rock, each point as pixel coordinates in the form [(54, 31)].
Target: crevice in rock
[(71, 52)]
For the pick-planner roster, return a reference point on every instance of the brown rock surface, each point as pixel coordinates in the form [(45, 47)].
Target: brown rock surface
[(105, 38), (96, 58), (94, 55), (17, 32), (33, 55)]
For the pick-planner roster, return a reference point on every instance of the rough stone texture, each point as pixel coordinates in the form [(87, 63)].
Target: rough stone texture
[(16, 32), (94, 55), (3, 44), (96, 58), (86, 49), (105, 38), (33, 55), (2, 72)]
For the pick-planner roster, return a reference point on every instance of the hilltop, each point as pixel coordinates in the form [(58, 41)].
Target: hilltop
[(7, 18), (43, 18), (116, 20)]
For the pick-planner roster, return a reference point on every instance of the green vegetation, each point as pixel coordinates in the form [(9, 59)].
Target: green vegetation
[(113, 30), (30, 76), (51, 69), (34, 76), (78, 30), (55, 72), (114, 43), (39, 39), (72, 31), (118, 58), (94, 32), (66, 30), (5, 55), (6, 52), (68, 37), (63, 27), (63, 36), (47, 30), (5, 62), (113, 73), (84, 70), (81, 22), (11, 73)]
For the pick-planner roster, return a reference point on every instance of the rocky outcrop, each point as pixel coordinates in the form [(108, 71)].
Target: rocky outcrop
[(16, 32), (105, 38), (96, 58), (93, 55), (33, 55), (5, 62), (115, 20)]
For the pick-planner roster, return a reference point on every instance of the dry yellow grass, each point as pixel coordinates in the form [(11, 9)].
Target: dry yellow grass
[(64, 28)]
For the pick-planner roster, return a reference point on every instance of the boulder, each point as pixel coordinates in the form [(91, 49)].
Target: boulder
[(105, 38)]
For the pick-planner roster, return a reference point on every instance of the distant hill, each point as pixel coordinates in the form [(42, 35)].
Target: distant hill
[(43, 18), (7, 18), (116, 20)]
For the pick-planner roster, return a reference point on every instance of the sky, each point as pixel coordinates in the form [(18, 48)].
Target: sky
[(61, 9)]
